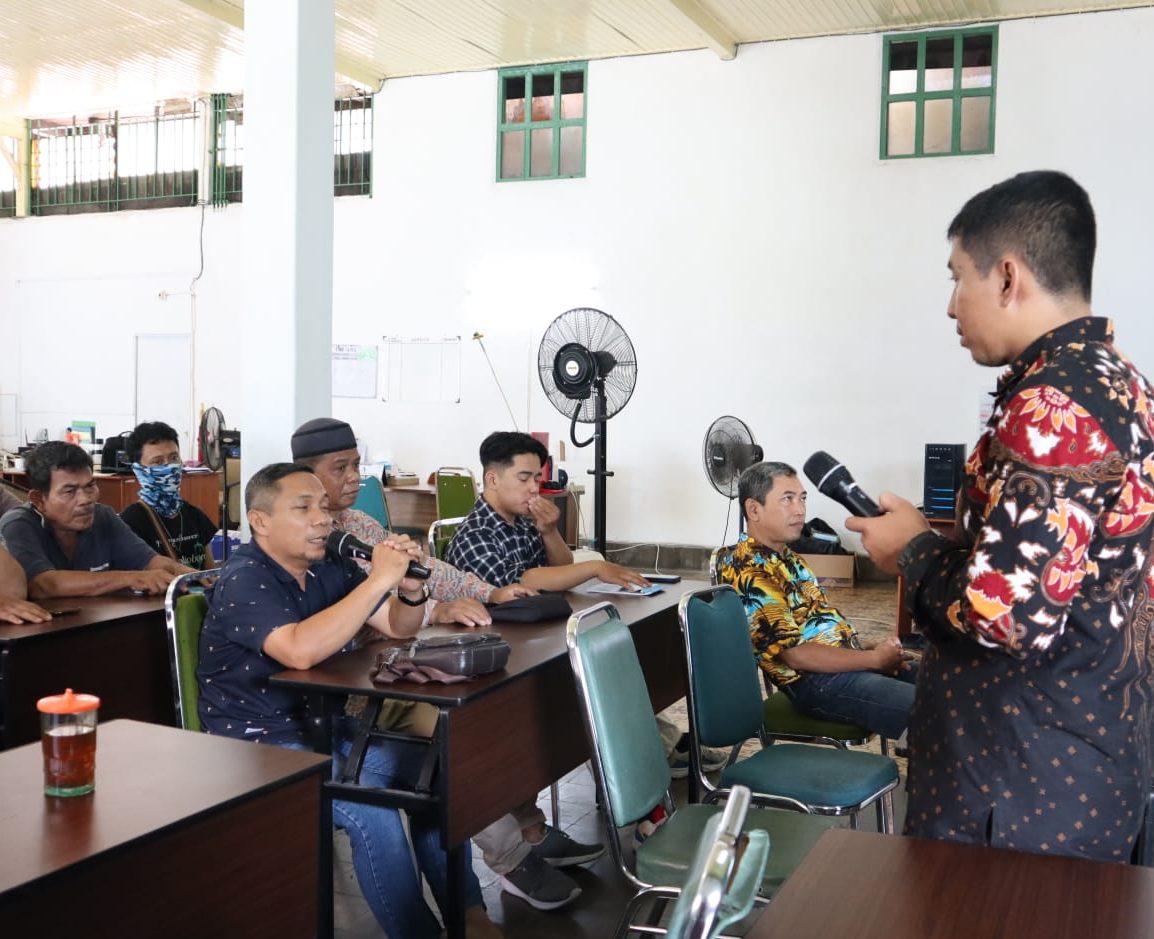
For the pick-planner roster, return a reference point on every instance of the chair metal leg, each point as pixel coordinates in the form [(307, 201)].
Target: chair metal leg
[(886, 813), (555, 800)]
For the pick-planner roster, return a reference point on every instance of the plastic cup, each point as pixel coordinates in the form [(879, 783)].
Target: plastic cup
[(68, 742)]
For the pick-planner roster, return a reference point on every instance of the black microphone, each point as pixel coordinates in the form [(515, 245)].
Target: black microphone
[(350, 546), (833, 480)]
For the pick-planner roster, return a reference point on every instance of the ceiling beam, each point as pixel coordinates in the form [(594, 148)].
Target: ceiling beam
[(365, 73), (717, 37)]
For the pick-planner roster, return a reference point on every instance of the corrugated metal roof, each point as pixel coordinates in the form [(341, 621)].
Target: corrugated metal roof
[(79, 55)]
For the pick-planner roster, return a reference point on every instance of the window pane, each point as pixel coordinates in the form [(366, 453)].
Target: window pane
[(513, 154), (541, 157), (940, 64), (572, 94), (543, 97), (515, 99), (903, 68), (571, 141), (976, 123), (938, 121), (977, 56), (900, 128)]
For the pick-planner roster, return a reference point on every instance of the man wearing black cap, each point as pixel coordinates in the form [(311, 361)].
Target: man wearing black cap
[(520, 847)]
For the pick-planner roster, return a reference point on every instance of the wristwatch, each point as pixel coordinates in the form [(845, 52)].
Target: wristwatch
[(421, 602)]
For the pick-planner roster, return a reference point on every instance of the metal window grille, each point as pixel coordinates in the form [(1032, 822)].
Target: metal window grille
[(226, 147), (109, 162), (541, 122), (8, 177), (353, 145)]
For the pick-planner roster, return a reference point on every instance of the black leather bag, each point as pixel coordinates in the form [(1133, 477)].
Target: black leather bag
[(535, 609), (446, 659)]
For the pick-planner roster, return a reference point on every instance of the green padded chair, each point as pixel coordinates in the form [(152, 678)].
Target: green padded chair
[(184, 613), (723, 880), (780, 719), (724, 710), (371, 500), (633, 775), (456, 491)]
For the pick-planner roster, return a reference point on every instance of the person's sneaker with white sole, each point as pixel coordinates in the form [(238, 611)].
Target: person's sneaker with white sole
[(711, 759), (559, 850), (540, 885)]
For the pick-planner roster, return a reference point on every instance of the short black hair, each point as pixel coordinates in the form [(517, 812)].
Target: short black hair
[(265, 484), (1045, 218), (501, 447), (54, 455), (146, 433)]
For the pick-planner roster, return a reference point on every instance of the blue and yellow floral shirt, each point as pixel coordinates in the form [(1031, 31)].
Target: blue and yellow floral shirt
[(784, 602)]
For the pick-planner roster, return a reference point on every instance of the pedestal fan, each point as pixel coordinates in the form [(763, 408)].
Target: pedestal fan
[(212, 434), (588, 370), (729, 449)]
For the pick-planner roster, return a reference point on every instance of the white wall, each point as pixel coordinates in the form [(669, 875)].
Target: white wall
[(735, 219)]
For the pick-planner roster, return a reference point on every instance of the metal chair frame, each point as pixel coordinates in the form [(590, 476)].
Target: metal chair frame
[(174, 592), (460, 471), (435, 527)]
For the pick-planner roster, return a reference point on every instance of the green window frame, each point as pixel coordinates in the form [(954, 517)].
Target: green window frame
[(541, 121), (939, 93)]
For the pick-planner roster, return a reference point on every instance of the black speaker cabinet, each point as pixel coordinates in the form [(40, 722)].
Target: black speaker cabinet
[(943, 478)]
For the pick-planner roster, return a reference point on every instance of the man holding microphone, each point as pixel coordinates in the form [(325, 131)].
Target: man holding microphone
[(1031, 725)]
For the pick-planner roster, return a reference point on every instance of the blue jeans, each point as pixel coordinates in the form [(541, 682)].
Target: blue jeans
[(381, 857), (874, 701)]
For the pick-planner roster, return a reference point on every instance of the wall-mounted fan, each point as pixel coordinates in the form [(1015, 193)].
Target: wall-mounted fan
[(588, 369), (213, 437), (729, 450)]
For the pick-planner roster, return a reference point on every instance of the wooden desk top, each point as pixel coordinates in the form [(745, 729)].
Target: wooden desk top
[(92, 610), (148, 779), (533, 645), (860, 885)]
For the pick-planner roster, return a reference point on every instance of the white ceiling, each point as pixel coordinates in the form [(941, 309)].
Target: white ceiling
[(76, 56)]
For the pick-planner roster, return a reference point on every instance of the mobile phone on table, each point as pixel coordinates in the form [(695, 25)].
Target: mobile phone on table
[(663, 578)]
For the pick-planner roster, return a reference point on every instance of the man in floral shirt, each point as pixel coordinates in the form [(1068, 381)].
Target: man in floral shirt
[(1031, 724)]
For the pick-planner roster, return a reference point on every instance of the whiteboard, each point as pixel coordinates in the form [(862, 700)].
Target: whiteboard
[(354, 371), (420, 369)]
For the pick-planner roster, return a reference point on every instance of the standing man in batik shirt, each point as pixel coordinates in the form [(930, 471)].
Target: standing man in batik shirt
[(1031, 725)]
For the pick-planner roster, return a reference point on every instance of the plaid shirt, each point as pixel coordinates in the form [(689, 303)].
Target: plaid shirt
[(497, 552)]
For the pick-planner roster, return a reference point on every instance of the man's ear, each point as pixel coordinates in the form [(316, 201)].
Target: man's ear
[(1009, 271), (36, 497), (752, 508), (258, 521)]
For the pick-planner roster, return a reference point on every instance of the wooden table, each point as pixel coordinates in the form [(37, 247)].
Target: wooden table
[(504, 737), (415, 508), (860, 885), (119, 490), (186, 835), (115, 648)]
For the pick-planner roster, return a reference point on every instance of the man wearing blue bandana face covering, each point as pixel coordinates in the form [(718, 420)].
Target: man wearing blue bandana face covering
[(162, 519)]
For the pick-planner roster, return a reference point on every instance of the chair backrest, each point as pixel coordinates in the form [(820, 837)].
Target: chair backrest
[(440, 534), (371, 500), (628, 755), (719, 557), (184, 613), (456, 491), (725, 874), (724, 701)]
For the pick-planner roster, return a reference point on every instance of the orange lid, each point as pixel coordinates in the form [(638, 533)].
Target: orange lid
[(68, 703)]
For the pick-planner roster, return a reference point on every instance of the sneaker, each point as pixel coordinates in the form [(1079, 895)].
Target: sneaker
[(559, 850), (648, 825), (711, 759), (539, 885)]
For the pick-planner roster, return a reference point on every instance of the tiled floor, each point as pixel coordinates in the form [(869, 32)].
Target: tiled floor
[(604, 893)]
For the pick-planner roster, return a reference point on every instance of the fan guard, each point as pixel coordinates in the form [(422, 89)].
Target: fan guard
[(211, 429), (580, 347), (729, 449)]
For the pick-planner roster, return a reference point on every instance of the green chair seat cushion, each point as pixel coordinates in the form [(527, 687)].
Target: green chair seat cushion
[(663, 859), (779, 716), (817, 776)]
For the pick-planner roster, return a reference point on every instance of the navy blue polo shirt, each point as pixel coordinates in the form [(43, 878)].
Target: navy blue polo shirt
[(106, 545), (253, 596)]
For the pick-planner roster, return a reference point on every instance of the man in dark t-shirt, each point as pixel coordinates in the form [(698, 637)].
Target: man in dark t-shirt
[(68, 544), (162, 519)]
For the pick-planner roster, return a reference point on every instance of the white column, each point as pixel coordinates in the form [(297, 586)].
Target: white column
[(286, 332)]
